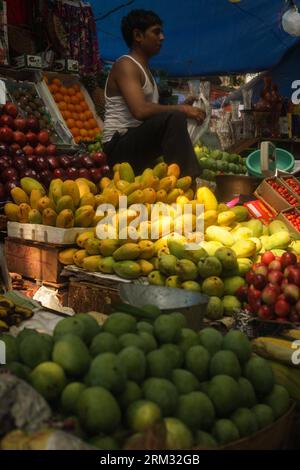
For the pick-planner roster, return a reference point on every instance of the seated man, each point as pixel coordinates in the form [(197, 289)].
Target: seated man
[(136, 128)]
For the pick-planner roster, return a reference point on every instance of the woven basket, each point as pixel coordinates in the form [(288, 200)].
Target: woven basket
[(21, 40)]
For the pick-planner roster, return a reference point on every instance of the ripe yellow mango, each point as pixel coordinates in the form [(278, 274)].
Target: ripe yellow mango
[(70, 188), (173, 170), (49, 217), (35, 196), (46, 203), (24, 213), (65, 219), (205, 196), (84, 216), (12, 212), (66, 256), (79, 256), (35, 217), (82, 238), (19, 196)]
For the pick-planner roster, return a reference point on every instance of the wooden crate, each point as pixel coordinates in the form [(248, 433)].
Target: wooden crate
[(33, 260), (88, 296)]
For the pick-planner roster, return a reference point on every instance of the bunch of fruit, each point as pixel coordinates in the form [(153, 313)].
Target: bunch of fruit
[(293, 184), (273, 290), (145, 368), (216, 162), (68, 203), (283, 192), (96, 146), (74, 109), (11, 314), (31, 105), (294, 218)]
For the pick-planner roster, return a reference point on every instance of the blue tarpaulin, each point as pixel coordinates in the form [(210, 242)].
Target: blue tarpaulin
[(203, 37)]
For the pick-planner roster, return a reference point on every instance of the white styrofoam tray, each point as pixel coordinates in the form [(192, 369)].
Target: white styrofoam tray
[(44, 233)]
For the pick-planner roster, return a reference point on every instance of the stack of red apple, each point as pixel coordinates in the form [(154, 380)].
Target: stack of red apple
[(293, 184), (294, 218), (284, 192), (25, 150), (273, 288)]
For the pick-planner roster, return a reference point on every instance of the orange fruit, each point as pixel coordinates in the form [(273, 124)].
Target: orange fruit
[(53, 88), (96, 131), (91, 133), (79, 96), (83, 133), (67, 98), (58, 97), (56, 81), (74, 99), (62, 106), (75, 131), (78, 108), (92, 123), (76, 86), (84, 106), (63, 90), (82, 117), (70, 122), (78, 139), (79, 124), (71, 108), (71, 91)]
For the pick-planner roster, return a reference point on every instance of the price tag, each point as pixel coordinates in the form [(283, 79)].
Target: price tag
[(2, 92)]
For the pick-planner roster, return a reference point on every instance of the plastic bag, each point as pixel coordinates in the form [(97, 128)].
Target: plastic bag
[(196, 130), (49, 299), (291, 21)]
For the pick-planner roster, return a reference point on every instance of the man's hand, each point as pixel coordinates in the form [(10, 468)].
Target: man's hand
[(190, 100), (194, 113)]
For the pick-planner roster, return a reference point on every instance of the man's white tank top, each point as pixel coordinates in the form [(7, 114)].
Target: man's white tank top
[(117, 114)]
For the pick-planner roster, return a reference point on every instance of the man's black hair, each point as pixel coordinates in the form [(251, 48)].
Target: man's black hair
[(138, 19)]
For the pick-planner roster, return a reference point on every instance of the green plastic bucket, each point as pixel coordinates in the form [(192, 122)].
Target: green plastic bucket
[(285, 162)]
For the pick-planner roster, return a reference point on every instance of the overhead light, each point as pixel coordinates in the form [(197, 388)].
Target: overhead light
[(291, 21)]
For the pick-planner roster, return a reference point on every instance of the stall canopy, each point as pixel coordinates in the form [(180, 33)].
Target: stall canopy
[(203, 37)]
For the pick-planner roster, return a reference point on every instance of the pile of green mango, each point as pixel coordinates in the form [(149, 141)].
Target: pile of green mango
[(216, 162)]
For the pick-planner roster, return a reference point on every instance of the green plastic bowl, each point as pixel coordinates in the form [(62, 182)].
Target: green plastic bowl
[(285, 162)]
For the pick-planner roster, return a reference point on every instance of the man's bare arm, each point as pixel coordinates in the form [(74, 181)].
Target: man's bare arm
[(127, 78)]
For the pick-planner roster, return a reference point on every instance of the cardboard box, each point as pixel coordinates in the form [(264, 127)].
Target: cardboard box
[(271, 197), (28, 62), (284, 179), (44, 233), (293, 231), (33, 260)]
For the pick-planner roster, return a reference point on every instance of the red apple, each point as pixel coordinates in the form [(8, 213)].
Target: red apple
[(105, 170), (242, 293), (267, 258), (7, 121), (51, 149), (96, 174), (275, 265), (65, 161), (14, 147), (292, 293), (33, 124), (53, 162), (294, 276), (2, 192), (249, 276), (260, 268), (282, 308), (259, 281), (28, 150), (86, 161), (72, 173), (9, 174), (269, 294), (20, 138), (275, 277), (4, 150), (99, 158), (20, 124), (32, 138), (288, 258), (265, 312), (11, 109), (40, 150), (30, 173), (84, 173), (6, 135), (31, 160), (59, 173), (20, 164), (43, 137)]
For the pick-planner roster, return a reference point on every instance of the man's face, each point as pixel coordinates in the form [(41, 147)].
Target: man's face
[(151, 40)]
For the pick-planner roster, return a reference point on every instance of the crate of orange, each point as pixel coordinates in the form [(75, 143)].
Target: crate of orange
[(75, 107)]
